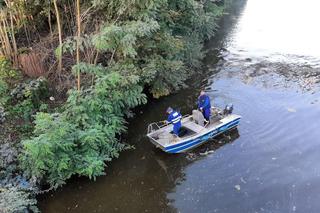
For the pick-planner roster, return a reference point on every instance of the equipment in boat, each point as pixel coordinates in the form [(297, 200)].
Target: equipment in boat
[(228, 109), (194, 131)]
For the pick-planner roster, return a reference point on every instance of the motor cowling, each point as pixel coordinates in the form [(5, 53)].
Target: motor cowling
[(228, 109)]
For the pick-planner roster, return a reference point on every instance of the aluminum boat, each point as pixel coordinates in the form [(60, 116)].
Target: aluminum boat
[(194, 131)]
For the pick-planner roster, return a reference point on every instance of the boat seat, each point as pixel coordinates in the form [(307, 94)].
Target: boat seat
[(195, 128), (198, 117)]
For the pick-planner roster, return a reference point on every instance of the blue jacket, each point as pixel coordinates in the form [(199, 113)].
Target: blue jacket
[(174, 118), (204, 102)]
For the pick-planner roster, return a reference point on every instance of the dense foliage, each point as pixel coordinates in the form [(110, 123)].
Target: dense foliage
[(83, 137), (124, 47), (142, 43), (6, 73)]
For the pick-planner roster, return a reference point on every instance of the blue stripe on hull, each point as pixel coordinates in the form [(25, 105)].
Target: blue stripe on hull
[(177, 148)]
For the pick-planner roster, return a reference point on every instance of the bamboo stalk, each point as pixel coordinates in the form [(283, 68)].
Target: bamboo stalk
[(96, 58), (78, 41), (49, 18), (4, 32), (14, 43), (60, 36), (2, 40)]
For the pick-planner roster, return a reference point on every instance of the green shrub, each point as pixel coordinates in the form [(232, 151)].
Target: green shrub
[(23, 109), (3, 100), (7, 72), (43, 107), (83, 138), (34, 90), (27, 98)]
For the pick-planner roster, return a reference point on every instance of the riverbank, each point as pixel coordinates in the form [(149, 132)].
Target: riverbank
[(146, 47)]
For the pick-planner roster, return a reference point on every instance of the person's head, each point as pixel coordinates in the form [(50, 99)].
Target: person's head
[(169, 110), (202, 92)]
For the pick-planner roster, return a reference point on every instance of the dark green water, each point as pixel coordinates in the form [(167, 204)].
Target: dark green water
[(265, 60)]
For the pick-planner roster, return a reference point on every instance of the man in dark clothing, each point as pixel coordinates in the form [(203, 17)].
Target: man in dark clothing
[(174, 117), (204, 105)]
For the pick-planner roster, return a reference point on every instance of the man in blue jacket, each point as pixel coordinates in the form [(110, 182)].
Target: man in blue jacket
[(204, 105), (174, 117)]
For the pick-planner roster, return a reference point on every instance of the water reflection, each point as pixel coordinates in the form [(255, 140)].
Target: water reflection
[(280, 30)]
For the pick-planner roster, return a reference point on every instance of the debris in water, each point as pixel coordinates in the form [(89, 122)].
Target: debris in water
[(237, 187), (242, 180), (291, 110), (206, 152), (274, 158)]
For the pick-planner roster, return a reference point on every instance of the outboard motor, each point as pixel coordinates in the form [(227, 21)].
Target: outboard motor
[(228, 109)]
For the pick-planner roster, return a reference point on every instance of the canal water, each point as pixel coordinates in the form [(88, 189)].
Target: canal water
[(265, 60)]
